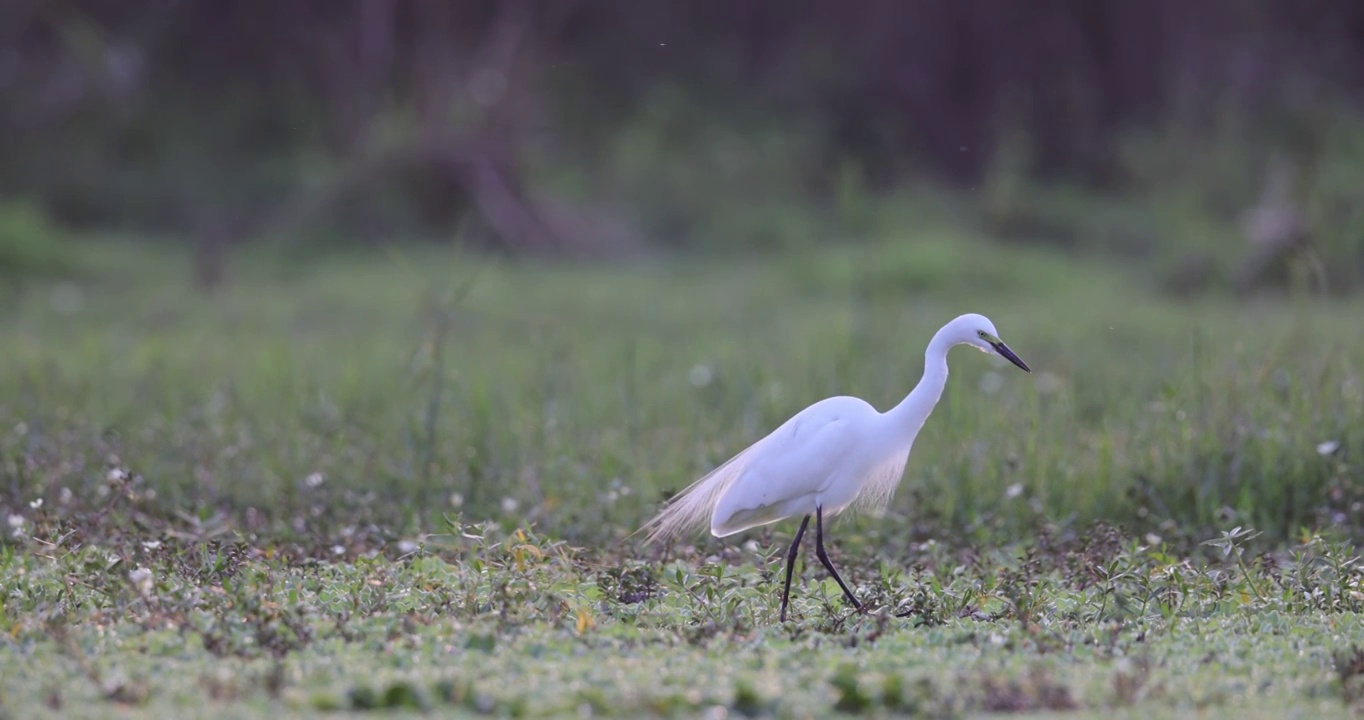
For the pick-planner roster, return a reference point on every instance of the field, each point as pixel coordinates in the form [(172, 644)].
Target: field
[(408, 480)]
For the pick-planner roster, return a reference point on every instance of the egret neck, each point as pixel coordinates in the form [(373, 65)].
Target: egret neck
[(906, 418)]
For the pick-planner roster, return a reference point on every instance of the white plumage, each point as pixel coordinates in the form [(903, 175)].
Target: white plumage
[(836, 454)]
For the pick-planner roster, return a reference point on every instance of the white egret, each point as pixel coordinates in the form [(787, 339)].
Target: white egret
[(837, 453)]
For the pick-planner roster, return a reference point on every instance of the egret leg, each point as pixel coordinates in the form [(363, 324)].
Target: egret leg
[(824, 557), (791, 563)]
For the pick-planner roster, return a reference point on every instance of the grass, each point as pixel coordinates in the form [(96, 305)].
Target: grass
[(409, 480), (514, 624)]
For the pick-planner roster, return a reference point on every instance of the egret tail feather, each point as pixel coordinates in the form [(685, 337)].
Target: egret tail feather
[(690, 510)]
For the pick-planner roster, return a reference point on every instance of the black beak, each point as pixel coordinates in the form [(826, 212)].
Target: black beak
[(1009, 355)]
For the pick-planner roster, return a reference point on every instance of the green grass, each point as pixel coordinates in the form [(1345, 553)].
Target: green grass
[(305, 462), (583, 395), (518, 625)]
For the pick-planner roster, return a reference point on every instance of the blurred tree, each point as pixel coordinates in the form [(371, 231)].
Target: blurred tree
[(270, 117)]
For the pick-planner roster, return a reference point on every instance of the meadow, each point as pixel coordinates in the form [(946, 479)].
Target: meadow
[(407, 480)]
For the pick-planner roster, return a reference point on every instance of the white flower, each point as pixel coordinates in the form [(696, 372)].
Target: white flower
[(142, 580), (700, 376)]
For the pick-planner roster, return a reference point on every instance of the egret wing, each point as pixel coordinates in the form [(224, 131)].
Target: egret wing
[(801, 459)]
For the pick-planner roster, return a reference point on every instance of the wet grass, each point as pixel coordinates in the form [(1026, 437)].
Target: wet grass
[(409, 480)]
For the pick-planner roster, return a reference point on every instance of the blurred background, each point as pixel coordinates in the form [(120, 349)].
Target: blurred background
[(1211, 141), (307, 267)]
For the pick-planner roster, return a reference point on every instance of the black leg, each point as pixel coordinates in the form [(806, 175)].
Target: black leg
[(791, 563), (824, 557)]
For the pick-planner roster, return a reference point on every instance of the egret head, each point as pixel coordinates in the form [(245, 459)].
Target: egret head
[(978, 332)]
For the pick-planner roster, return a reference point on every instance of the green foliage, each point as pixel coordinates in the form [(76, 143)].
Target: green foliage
[(100, 616), (578, 398), (1185, 191), (405, 484), (851, 698), (937, 260), (31, 245), (1332, 208), (690, 182)]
